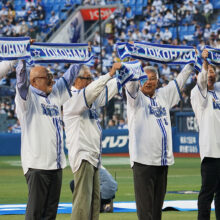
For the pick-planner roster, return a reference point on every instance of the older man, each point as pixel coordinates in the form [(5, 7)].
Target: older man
[(83, 138), (38, 107), (150, 141), (205, 99)]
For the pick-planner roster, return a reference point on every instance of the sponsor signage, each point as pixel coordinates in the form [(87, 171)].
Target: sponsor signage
[(92, 14)]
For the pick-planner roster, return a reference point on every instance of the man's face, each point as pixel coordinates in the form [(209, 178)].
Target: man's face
[(84, 80), (150, 85), (43, 81), (211, 77)]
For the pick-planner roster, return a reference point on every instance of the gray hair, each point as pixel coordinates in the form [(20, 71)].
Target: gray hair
[(151, 69), (83, 69)]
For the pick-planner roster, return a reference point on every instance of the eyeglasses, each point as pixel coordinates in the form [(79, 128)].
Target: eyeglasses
[(86, 78), (49, 77)]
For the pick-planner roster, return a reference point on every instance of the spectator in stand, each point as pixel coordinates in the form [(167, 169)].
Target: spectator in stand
[(191, 7), (136, 35), (147, 12), (207, 32), (24, 28), (157, 40), (97, 37), (198, 32), (168, 18), (109, 47), (158, 32), (129, 14), (157, 4), (147, 26), (185, 101), (29, 3), (132, 26), (188, 18), (166, 71), (182, 10), (200, 7), (146, 36), (16, 128), (120, 25), (208, 10), (201, 45), (22, 14), (32, 30), (122, 124), (54, 19), (198, 18), (17, 30), (167, 35), (111, 124), (8, 29), (4, 11), (159, 20)]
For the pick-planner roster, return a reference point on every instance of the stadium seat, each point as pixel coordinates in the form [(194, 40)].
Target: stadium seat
[(141, 25), (138, 10), (139, 2), (79, 2), (131, 3), (56, 8), (125, 3), (191, 29), (144, 2), (216, 4)]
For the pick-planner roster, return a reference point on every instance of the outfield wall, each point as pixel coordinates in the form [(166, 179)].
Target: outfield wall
[(185, 138)]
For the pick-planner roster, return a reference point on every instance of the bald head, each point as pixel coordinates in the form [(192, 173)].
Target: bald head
[(41, 79), (38, 71)]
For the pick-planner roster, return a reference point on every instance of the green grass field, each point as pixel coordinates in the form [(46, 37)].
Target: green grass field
[(184, 175)]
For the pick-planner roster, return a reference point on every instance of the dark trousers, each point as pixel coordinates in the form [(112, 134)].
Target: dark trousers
[(150, 183), (43, 193), (210, 172)]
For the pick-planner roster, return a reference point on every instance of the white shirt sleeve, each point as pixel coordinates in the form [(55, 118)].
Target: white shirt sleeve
[(76, 104), (202, 81), (132, 88), (6, 66), (110, 90), (93, 90), (61, 88), (199, 92), (171, 92), (22, 105)]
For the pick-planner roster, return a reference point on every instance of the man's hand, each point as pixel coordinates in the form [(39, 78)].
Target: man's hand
[(205, 54), (32, 41), (116, 66)]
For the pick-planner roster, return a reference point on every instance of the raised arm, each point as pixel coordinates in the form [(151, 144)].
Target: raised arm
[(184, 75), (71, 74), (22, 79), (203, 75), (6, 66), (94, 89)]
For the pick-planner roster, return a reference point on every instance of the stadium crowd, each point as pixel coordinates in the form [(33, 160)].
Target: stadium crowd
[(161, 22)]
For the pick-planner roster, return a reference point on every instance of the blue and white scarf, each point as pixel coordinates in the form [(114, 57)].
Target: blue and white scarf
[(14, 48), (60, 53), (130, 71), (213, 56), (19, 48), (168, 54)]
